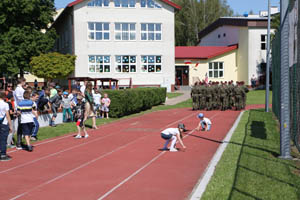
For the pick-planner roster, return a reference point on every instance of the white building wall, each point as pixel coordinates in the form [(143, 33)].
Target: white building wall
[(217, 37), (165, 48), (256, 56)]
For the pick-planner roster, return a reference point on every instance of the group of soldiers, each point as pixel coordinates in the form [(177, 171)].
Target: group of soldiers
[(219, 96)]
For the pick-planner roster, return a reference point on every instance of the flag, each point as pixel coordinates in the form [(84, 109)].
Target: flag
[(206, 78), (196, 64)]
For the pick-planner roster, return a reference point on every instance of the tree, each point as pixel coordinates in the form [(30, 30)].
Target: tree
[(53, 65), (194, 16), (21, 36)]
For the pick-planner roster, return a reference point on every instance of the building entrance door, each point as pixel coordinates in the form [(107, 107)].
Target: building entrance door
[(182, 75)]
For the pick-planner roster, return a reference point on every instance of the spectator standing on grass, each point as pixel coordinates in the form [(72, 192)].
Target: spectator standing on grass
[(97, 101), (35, 129), (105, 105), (12, 113), (89, 104), (79, 117), (36, 84), (66, 106), (253, 81), (9, 89), (55, 102), (18, 96), (25, 108), (5, 127)]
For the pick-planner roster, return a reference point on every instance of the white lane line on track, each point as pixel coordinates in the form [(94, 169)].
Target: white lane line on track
[(73, 147), (90, 162), (142, 168), (77, 168), (69, 134)]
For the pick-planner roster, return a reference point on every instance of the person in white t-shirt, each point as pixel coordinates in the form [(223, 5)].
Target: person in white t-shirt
[(97, 102), (204, 123), (173, 134), (5, 127)]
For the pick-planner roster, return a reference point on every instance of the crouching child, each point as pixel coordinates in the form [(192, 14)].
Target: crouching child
[(172, 135)]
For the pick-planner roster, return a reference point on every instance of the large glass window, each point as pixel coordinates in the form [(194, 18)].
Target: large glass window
[(216, 70), (98, 3), (151, 63), (98, 31), (99, 64), (151, 31), (125, 31), (125, 3), (126, 64), (150, 4)]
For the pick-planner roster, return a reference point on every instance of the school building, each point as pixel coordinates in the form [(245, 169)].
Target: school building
[(231, 48), (120, 39)]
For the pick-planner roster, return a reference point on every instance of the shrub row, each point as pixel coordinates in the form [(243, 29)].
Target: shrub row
[(129, 101)]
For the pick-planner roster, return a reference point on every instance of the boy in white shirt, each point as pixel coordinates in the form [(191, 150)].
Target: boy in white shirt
[(204, 123), (173, 134), (5, 127)]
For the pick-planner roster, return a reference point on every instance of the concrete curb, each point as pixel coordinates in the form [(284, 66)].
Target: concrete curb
[(200, 188)]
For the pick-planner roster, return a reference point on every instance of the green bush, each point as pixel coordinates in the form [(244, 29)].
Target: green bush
[(129, 101)]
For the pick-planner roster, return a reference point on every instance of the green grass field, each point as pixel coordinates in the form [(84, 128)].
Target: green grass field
[(171, 95), (258, 97), (249, 167)]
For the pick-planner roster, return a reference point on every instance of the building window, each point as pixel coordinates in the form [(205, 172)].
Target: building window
[(151, 32), (216, 70), (125, 31), (98, 3), (126, 64), (219, 36), (125, 3), (224, 34), (263, 39), (98, 31), (150, 4), (99, 64), (151, 63)]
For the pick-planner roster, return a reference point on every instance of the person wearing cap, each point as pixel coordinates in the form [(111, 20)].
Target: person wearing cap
[(204, 123), (66, 105), (173, 134)]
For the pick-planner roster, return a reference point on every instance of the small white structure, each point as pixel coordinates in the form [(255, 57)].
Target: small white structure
[(250, 33), (120, 39)]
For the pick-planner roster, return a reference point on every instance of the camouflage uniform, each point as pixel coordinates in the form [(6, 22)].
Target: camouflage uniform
[(231, 97), (202, 97), (194, 96), (223, 95), (244, 95), (238, 97), (216, 96), (209, 92)]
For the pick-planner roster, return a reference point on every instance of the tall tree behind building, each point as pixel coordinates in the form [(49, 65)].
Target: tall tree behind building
[(194, 16)]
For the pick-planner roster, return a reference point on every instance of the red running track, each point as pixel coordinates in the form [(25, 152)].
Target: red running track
[(119, 160)]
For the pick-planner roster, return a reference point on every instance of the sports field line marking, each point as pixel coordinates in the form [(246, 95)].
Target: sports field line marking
[(86, 164), (200, 187), (68, 135), (57, 153), (143, 167), (77, 168)]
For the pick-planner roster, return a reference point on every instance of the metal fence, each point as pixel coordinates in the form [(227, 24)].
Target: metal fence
[(286, 96)]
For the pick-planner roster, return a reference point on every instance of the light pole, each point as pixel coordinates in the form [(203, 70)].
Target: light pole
[(268, 59)]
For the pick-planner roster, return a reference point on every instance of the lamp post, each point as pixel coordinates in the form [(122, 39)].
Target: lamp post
[(268, 59)]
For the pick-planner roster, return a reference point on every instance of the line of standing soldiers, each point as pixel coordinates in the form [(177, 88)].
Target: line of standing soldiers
[(215, 96)]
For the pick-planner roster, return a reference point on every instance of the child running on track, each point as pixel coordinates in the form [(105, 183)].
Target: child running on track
[(204, 123), (173, 134), (79, 117)]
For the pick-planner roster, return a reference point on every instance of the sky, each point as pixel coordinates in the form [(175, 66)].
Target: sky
[(238, 6)]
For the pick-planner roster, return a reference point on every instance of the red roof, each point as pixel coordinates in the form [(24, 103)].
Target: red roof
[(201, 52), (165, 1)]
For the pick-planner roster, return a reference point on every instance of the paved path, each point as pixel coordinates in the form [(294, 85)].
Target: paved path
[(186, 95)]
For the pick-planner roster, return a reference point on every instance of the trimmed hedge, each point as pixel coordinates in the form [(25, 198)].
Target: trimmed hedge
[(129, 101)]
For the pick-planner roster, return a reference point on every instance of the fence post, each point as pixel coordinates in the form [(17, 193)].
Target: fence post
[(285, 149)]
